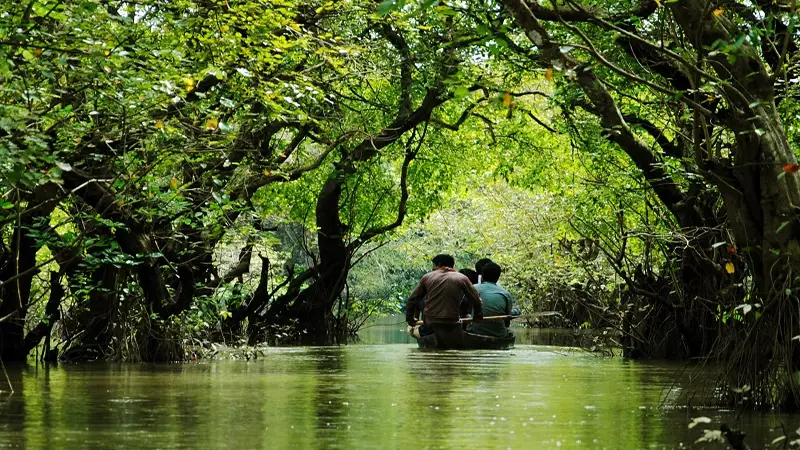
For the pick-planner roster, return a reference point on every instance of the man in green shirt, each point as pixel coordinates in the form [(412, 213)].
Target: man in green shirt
[(496, 302)]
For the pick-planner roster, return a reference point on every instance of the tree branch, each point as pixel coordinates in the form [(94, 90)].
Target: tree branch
[(406, 69), (645, 9), (242, 267), (401, 209), (669, 147), (624, 73), (202, 87), (616, 128), (52, 314), (539, 121), (455, 126), (263, 180)]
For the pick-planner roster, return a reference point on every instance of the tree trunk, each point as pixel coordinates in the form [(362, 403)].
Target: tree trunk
[(309, 311), (760, 199), (52, 314), (94, 318), (17, 270)]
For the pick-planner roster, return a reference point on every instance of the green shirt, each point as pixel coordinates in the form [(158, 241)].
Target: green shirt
[(496, 302)]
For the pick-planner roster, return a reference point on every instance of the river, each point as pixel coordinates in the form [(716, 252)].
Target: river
[(380, 393)]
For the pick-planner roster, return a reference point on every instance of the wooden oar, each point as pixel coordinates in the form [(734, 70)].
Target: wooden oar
[(470, 319), (524, 316)]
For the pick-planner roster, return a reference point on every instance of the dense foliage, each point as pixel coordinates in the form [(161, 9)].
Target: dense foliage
[(630, 163)]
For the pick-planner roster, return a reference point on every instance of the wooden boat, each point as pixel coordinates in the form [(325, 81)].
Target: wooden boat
[(473, 342)]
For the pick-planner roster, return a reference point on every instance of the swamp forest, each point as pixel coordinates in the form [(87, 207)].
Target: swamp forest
[(253, 188)]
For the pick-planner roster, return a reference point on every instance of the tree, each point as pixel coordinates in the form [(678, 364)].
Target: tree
[(148, 129), (714, 76)]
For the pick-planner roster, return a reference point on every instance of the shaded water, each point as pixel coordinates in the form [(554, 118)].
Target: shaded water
[(361, 396)]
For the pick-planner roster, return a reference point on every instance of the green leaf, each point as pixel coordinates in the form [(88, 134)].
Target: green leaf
[(386, 6), (89, 6), (460, 92), (59, 16), (445, 10)]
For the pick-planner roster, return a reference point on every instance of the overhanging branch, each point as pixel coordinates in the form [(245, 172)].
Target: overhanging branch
[(406, 68), (573, 14), (617, 130), (410, 154), (455, 126)]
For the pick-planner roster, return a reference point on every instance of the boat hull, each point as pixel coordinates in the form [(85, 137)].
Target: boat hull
[(471, 342)]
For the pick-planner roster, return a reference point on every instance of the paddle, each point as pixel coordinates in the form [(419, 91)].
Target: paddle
[(470, 319), (523, 316)]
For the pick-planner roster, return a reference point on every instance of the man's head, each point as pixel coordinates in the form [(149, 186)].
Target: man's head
[(443, 260), (479, 265), (471, 274), (491, 272)]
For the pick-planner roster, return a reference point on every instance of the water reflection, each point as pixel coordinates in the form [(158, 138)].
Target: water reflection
[(385, 330), (360, 396), (331, 394), (392, 330), (12, 412)]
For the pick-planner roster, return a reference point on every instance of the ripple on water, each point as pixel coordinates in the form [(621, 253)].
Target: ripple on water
[(360, 396)]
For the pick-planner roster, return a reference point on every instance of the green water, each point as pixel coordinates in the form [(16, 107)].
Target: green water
[(362, 396)]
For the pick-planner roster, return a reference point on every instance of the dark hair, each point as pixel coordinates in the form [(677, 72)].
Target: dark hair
[(443, 260), (471, 274), (480, 264), (491, 272)]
